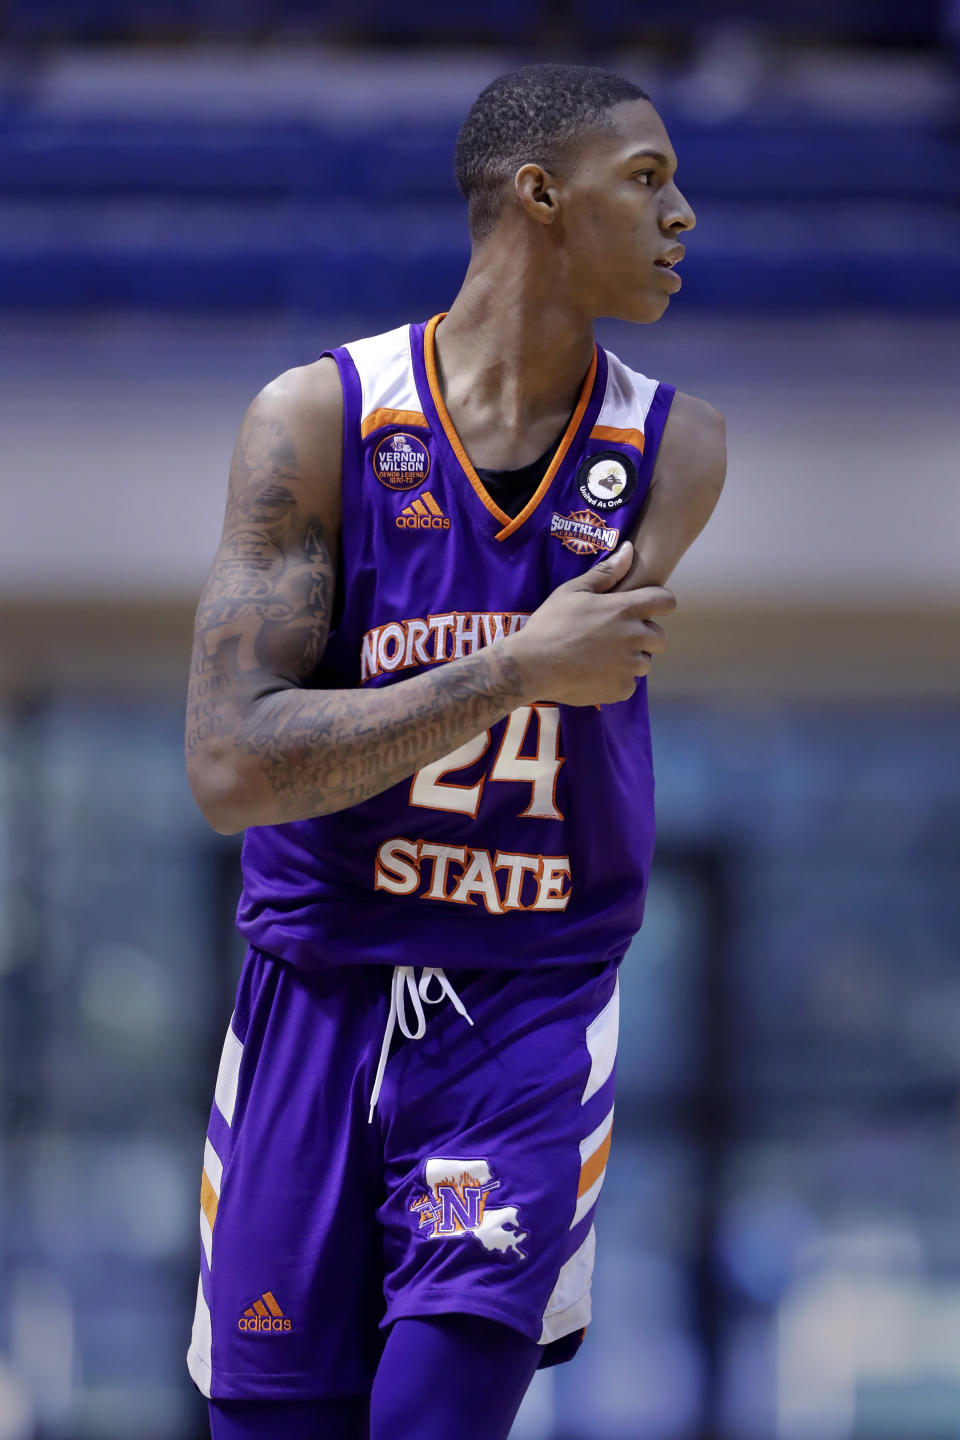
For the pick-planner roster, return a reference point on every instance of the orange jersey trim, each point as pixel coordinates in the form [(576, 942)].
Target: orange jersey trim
[(510, 525), (618, 437), (377, 419)]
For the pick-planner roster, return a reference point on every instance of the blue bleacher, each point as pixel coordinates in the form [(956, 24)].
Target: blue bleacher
[(423, 20), (623, 21), (83, 19), (228, 215), (184, 158), (615, 21), (283, 177)]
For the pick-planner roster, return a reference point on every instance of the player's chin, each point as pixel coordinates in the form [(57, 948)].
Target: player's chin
[(647, 307), (642, 306)]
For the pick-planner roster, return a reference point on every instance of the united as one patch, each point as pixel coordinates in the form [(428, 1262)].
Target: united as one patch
[(401, 461), (607, 480), (584, 533)]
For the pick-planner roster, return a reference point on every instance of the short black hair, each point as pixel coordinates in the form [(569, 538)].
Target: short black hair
[(527, 117)]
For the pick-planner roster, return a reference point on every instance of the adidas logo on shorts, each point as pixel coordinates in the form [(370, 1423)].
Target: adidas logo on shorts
[(422, 514), (264, 1315)]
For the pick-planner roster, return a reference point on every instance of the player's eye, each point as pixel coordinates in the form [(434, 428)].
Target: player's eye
[(642, 173)]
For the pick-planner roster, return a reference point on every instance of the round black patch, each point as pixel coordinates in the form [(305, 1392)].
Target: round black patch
[(607, 479)]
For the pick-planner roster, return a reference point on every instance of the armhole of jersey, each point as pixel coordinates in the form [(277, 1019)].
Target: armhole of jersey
[(351, 470), (656, 419), (352, 405)]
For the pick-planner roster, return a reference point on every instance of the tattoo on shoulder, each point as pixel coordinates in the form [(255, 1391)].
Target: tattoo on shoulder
[(264, 445)]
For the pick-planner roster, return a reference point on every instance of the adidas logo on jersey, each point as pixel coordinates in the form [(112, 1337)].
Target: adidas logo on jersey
[(422, 514), (264, 1315)]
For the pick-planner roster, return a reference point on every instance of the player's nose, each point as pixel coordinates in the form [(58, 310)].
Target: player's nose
[(678, 213)]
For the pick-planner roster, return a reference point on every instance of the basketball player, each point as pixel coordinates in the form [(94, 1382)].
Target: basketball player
[(419, 685)]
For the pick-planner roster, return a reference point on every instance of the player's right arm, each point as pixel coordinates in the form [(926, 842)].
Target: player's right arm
[(262, 746)]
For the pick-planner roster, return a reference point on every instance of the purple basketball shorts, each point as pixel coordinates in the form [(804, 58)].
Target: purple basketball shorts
[(472, 1190)]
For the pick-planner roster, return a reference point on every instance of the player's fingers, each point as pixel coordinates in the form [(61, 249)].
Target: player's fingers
[(650, 600), (606, 573), (653, 639)]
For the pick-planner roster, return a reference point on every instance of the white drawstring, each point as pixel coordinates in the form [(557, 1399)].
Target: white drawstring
[(404, 985)]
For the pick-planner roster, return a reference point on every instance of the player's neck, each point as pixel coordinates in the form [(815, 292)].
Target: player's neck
[(509, 343)]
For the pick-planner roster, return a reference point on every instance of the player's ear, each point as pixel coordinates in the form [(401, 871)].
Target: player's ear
[(537, 193)]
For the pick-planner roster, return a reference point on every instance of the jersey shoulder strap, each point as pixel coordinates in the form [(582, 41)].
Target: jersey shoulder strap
[(626, 404), (388, 391)]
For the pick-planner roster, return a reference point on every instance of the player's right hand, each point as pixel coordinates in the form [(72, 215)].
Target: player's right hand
[(586, 646)]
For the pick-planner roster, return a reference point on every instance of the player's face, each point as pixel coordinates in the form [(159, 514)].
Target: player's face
[(622, 212)]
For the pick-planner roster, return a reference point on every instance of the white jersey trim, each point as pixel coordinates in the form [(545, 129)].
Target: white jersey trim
[(628, 397)]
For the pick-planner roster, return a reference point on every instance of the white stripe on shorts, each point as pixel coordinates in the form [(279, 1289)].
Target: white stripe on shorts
[(198, 1356), (602, 1043), (214, 1166), (568, 1308), (228, 1075)]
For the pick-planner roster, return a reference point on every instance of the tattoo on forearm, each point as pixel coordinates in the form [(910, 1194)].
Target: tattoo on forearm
[(324, 751)]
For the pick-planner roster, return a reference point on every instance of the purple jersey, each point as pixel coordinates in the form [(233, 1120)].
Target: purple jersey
[(530, 845)]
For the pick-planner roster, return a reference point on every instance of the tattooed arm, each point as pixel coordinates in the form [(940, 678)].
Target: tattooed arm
[(687, 481), (261, 747)]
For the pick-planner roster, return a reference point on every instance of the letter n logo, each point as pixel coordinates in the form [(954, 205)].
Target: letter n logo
[(458, 1212)]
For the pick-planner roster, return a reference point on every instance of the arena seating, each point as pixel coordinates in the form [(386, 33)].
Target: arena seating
[(615, 21), (244, 178)]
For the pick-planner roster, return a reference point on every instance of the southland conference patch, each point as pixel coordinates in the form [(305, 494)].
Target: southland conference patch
[(401, 461), (607, 480), (584, 533)]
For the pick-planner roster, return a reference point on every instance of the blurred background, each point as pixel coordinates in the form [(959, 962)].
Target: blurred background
[(198, 194)]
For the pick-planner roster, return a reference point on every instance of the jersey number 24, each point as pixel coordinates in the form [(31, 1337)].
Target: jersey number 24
[(430, 791)]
